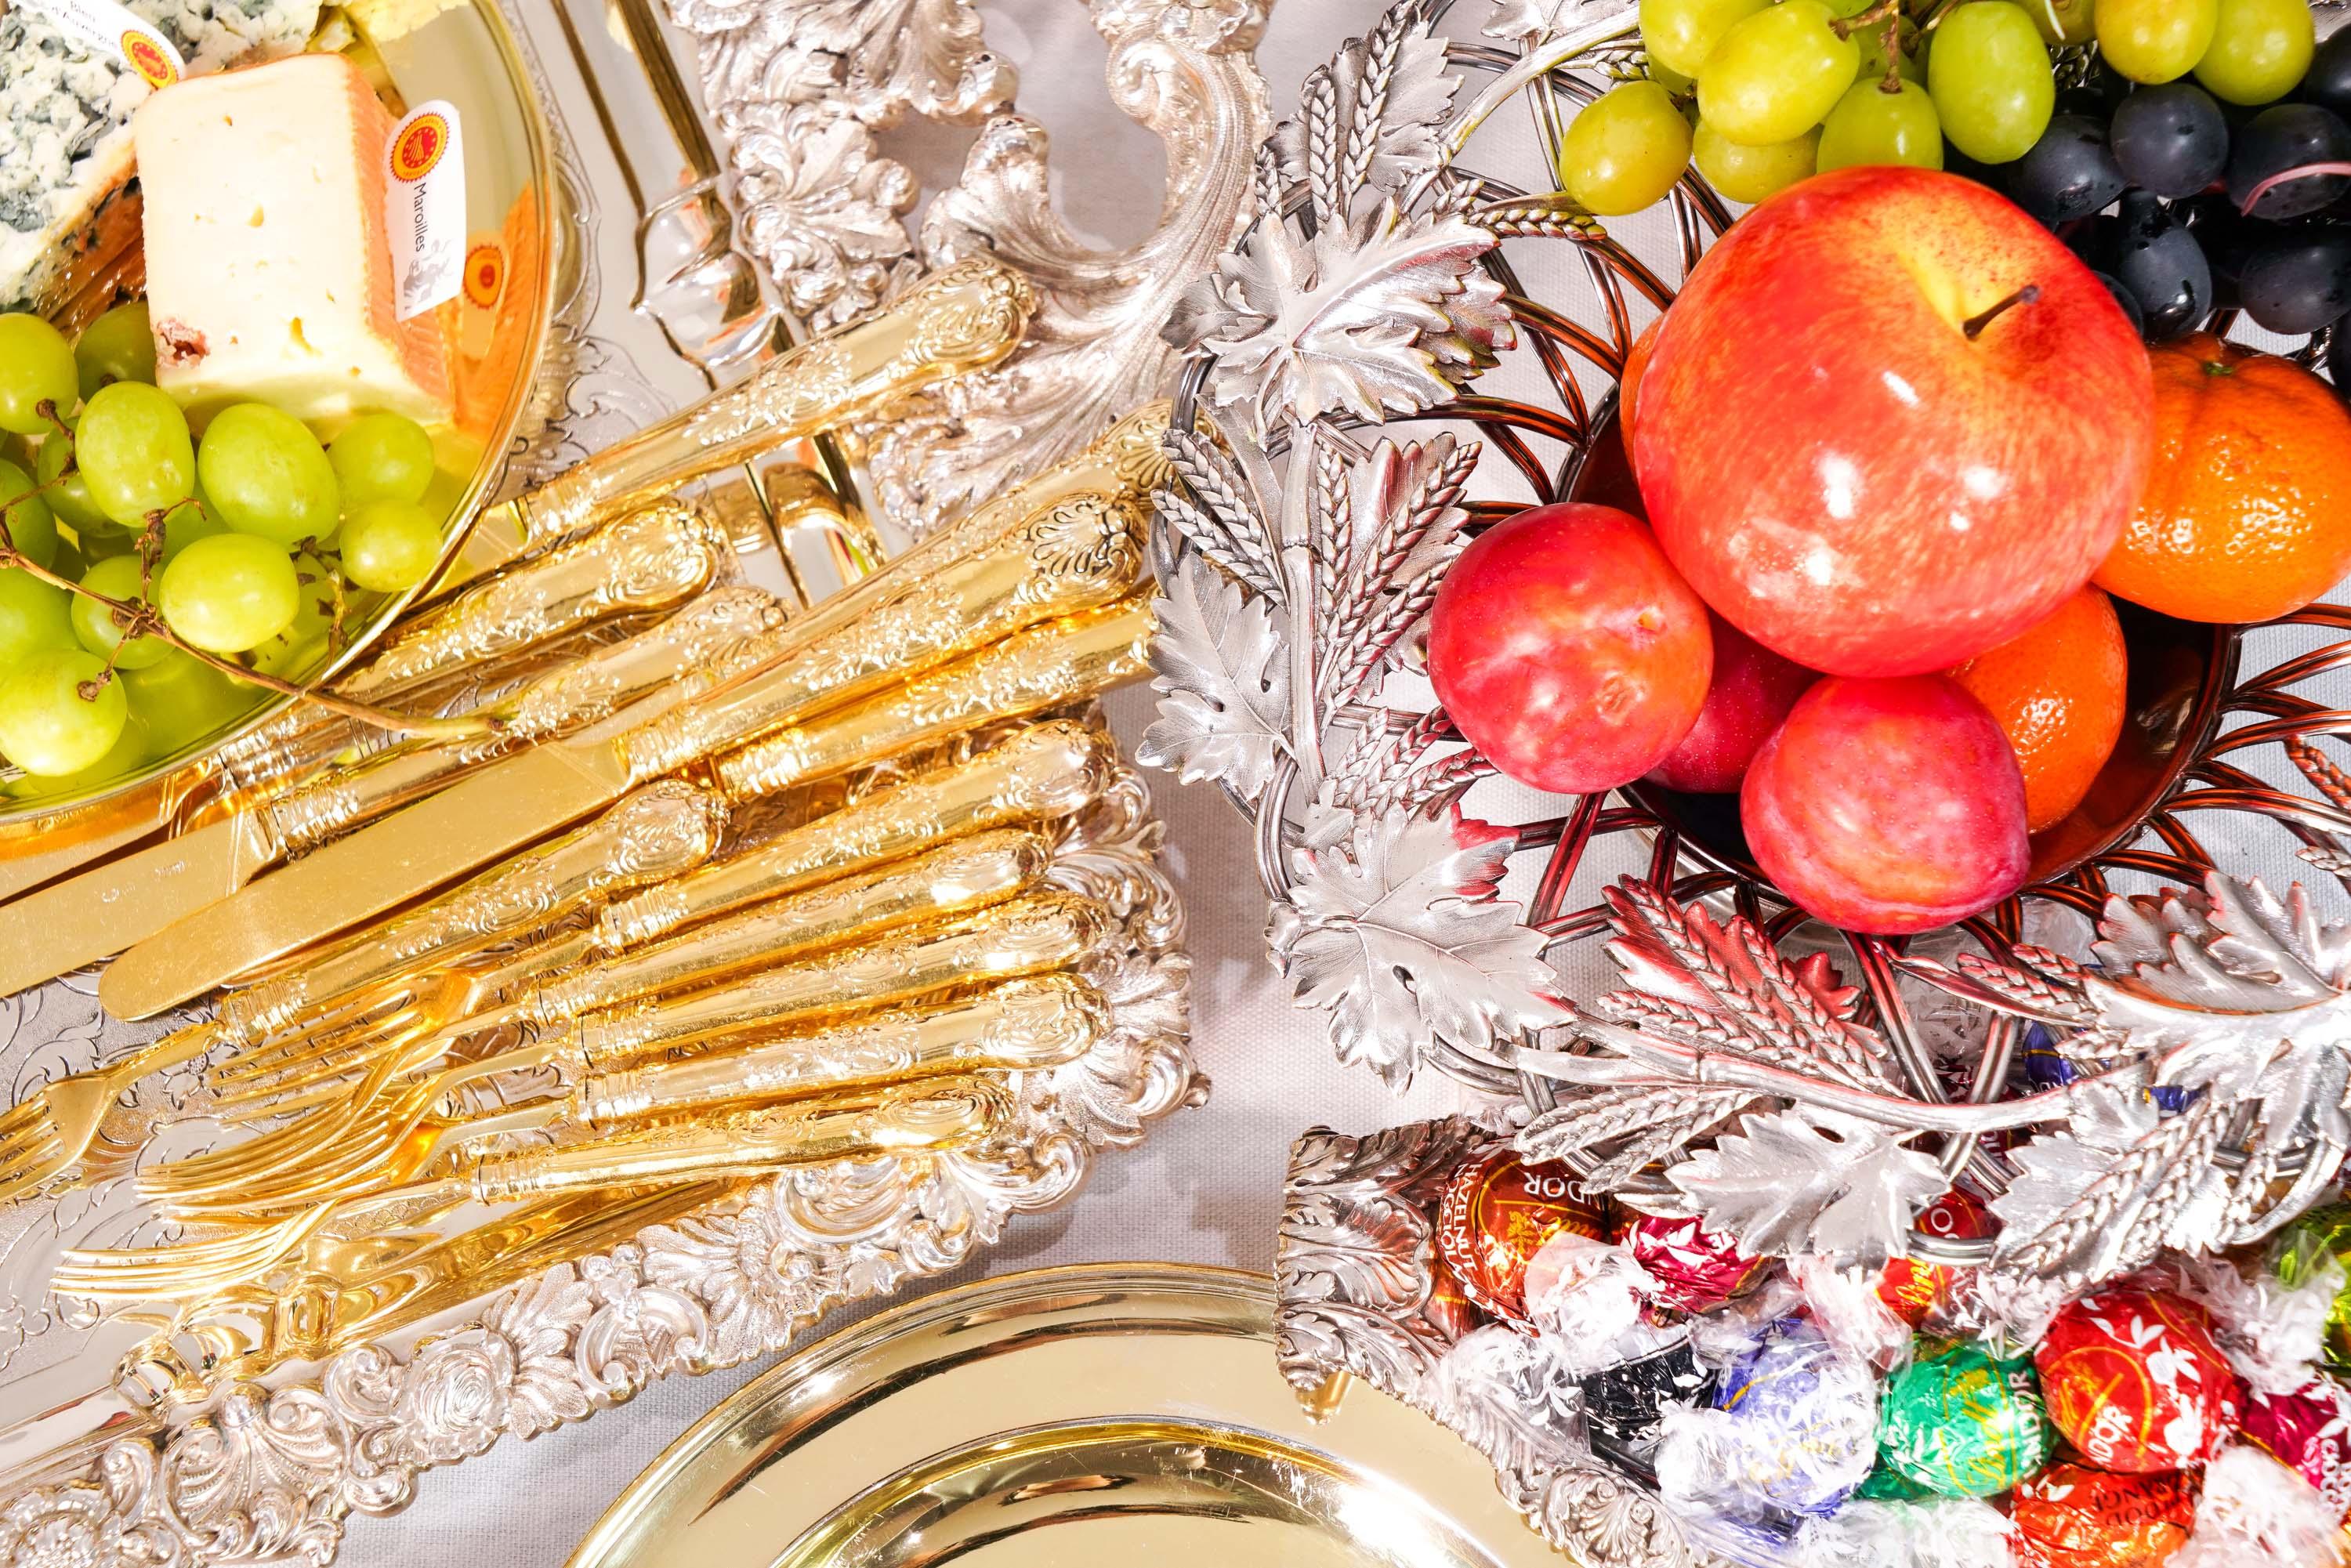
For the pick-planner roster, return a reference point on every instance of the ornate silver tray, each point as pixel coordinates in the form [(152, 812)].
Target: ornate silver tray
[(665, 256), (1420, 337)]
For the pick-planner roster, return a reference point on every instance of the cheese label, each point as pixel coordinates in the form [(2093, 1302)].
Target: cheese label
[(486, 271), (424, 207), (117, 32)]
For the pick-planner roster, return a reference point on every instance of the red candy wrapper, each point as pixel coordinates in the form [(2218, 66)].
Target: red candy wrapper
[(2071, 1516), (1697, 1269), (1448, 1308), (1912, 1288), (1496, 1215), (2308, 1431), (2135, 1382)]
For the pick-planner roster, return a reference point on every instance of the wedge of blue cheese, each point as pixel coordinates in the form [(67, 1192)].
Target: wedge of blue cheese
[(67, 191)]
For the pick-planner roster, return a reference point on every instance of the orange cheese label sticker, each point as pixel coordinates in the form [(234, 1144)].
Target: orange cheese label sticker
[(111, 31), (486, 273), (424, 207)]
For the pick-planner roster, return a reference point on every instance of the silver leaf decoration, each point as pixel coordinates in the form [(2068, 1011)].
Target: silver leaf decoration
[(1225, 705), (1380, 315), (1400, 931), (1369, 122), (1808, 1180), (1528, 21)]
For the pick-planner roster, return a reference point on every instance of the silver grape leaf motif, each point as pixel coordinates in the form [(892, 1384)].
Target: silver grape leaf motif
[(1224, 708), (1378, 314), (1399, 930), (1528, 21), (1369, 122), (1808, 1180)]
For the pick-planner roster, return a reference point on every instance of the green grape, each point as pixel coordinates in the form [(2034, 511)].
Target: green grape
[(118, 578), (382, 457), (266, 474), (32, 527), (71, 562), (1680, 33), (185, 701), (1777, 74), (127, 753), (2155, 40), (117, 346), (301, 646), (1751, 174), (388, 545), (37, 367), (1910, 64), (34, 617), (135, 453), (66, 494), (1870, 125), (1991, 79), (2064, 21), (1672, 82), (229, 592), (46, 724), (2260, 50), (1623, 152), (185, 524)]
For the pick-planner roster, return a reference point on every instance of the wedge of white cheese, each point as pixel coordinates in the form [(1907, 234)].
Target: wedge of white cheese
[(269, 270), (66, 192)]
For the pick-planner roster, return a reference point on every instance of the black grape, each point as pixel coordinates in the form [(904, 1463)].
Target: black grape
[(2328, 83), (2170, 138), (2159, 262), (2068, 174), (2299, 283), (2338, 359), (2287, 136), (2123, 297)]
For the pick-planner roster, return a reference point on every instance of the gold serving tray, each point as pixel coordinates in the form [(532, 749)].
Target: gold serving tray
[(1124, 1412)]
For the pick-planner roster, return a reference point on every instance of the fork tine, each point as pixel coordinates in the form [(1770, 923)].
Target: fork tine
[(35, 1126), (333, 1029), (187, 1268), (27, 1166), (271, 1152), (337, 1059), (23, 1114)]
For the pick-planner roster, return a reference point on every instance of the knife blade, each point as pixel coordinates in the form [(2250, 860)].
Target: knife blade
[(82, 919)]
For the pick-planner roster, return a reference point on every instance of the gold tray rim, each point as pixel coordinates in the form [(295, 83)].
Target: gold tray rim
[(755, 1428)]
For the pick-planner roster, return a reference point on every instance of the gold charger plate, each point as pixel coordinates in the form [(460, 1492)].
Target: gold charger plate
[(1134, 1408)]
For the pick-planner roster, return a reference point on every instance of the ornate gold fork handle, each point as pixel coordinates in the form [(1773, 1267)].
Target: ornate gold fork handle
[(714, 638), (965, 317), (1037, 1022), (653, 833)]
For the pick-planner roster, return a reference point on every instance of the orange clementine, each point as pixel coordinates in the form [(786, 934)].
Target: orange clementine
[(1628, 385), (2247, 513), (2056, 689)]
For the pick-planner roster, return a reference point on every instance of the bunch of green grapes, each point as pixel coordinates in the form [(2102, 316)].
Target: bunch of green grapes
[(254, 545)]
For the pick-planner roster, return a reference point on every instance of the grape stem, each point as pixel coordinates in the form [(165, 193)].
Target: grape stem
[(143, 620), (2286, 176), (1845, 27), (1974, 325)]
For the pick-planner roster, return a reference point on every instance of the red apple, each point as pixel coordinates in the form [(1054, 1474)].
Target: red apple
[(1567, 650), (1752, 691), (1888, 806), (1891, 422)]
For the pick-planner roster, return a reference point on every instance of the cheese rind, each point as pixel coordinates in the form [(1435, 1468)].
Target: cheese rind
[(268, 269)]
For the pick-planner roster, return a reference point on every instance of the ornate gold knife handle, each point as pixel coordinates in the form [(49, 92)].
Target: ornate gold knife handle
[(953, 879), (1042, 667), (1016, 1026), (651, 834), (717, 637), (964, 319), (923, 1117), (1035, 934), (1046, 771), (656, 556)]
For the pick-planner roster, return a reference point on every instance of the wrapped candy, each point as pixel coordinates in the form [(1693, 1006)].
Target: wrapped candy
[(1938, 1533), (1447, 1307), (1791, 1431), (2135, 1382), (1961, 1423), (2071, 1516), (1697, 1269), (2308, 1431), (1847, 1306), (2320, 1237), (1913, 1286), (2256, 1513), (1496, 1215), (1626, 1405)]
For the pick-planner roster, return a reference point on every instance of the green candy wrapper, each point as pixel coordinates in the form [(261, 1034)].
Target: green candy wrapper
[(1961, 1424), (2322, 1236)]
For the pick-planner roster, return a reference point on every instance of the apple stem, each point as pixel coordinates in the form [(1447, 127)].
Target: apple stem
[(1974, 325), (2286, 176)]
